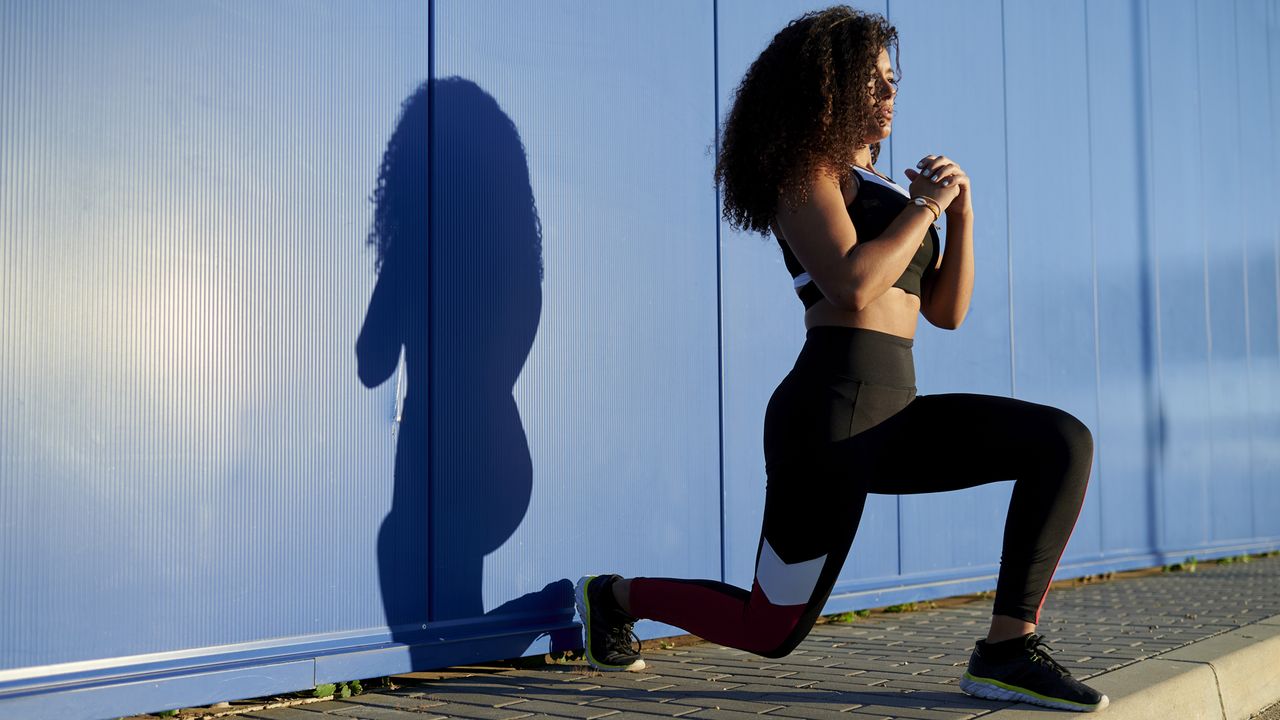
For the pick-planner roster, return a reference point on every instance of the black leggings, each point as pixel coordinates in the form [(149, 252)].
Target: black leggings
[(846, 421)]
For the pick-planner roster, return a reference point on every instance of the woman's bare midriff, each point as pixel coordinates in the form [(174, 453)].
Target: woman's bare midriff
[(895, 312)]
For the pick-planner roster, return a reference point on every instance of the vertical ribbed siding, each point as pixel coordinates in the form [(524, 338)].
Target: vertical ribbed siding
[(188, 459), (15, 114)]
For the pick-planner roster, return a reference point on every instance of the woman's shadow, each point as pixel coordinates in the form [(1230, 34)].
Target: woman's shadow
[(459, 261)]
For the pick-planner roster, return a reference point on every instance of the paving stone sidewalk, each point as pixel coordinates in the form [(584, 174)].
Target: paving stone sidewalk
[(890, 665)]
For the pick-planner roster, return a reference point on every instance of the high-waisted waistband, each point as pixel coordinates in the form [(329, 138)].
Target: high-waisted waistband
[(860, 353)]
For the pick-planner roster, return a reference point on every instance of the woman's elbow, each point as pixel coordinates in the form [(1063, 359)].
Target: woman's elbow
[(945, 323), (374, 365), (854, 299), (372, 377)]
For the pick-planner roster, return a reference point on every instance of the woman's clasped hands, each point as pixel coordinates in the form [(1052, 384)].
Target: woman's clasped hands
[(939, 178)]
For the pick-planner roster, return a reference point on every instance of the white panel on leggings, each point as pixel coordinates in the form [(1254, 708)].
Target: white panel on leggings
[(787, 583)]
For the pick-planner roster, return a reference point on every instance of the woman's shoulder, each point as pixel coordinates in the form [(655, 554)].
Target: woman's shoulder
[(818, 179)]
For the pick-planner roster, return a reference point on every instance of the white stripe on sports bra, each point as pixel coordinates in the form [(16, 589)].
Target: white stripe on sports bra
[(877, 179), (867, 174), (802, 279)]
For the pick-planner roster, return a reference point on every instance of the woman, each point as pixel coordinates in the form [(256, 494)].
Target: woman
[(798, 156)]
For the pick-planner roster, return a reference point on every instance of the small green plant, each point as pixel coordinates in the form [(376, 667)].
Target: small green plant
[(166, 713), (847, 617), (1084, 579), (1188, 565), (338, 690), (910, 607)]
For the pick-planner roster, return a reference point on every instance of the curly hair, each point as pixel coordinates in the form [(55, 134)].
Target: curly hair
[(803, 102), (399, 218)]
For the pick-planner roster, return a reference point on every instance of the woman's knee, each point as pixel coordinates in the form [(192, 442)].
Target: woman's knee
[(777, 637), (1070, 440), (783, 645), (1077, 435)]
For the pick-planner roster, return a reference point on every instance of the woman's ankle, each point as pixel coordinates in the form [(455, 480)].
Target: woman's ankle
[(622, 594), (1004, 627)]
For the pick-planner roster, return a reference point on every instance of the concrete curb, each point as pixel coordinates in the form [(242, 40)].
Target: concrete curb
[(1224, 677)]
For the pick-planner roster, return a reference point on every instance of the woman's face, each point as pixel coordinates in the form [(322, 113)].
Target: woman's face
[(881, 89)]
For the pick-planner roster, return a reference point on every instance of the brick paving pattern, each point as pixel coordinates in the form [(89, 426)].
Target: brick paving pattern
[(888, 665)]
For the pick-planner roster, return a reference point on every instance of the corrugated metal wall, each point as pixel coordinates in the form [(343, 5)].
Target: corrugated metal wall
[(235, 459)]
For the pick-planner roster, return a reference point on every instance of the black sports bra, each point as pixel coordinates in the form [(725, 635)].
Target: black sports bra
[(876, 205)]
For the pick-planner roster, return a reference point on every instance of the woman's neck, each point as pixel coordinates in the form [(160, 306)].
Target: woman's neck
[(862, 158), (865, 164)]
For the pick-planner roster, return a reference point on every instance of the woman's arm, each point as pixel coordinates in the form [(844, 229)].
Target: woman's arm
[(378, 345), (850, 274), (946, 300)]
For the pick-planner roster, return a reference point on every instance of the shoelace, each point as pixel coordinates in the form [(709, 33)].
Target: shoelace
[(1034, 643), (620, 636)]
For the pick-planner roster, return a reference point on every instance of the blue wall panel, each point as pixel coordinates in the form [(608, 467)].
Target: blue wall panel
[(185, 201), (1050, 227), (1183, 426), (1222, 183), (1127, 389), (1257, 135)]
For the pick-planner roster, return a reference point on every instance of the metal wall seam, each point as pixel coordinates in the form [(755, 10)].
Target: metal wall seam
[(1244, 271), (1093, 260), (1152, 347), (1008, 213), (431, 287), (1208, 319), (715, 119)]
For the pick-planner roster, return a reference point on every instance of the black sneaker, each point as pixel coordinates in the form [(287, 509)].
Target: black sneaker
[(606, 629), (1029, 676)]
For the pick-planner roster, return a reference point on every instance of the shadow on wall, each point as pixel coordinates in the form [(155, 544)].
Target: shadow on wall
[(462, 484)]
